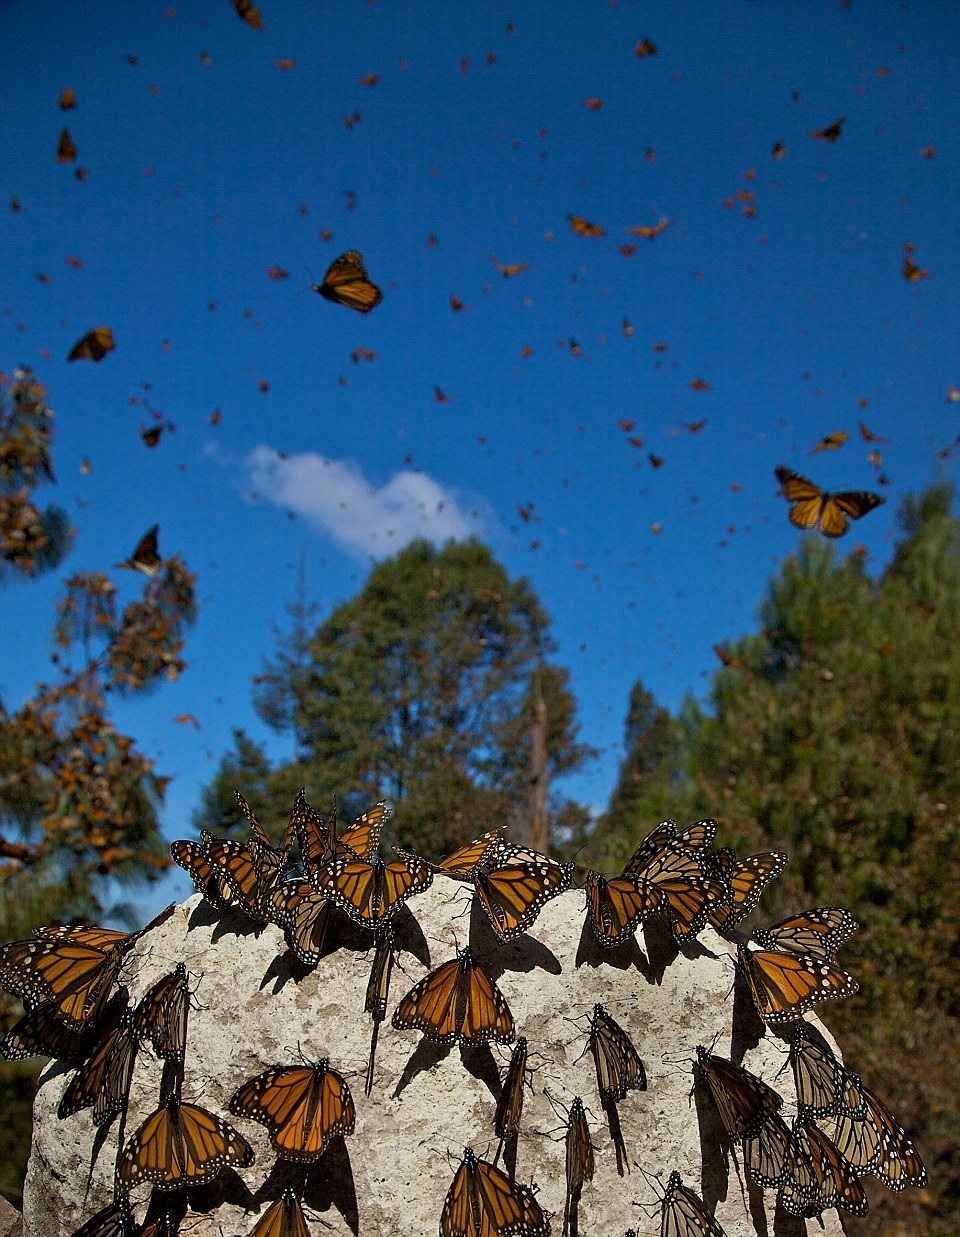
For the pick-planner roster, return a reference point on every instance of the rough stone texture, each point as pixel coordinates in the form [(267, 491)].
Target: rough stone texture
[(254, 1006), (11, 1222)]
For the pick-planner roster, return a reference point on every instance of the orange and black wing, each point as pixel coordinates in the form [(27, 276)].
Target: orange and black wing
[(347, 283), (193, 858), (161, 1016), (74, 977), (683, 1213), (513, 888), (746, 880), (506, 1120), (457, 1003), (93, 346), (103, 1081), (834, 1183), (824, 1087), (816, 933), (180, 1144), (305, 916), (784, 985), (302, 1106), (744, 1101), (283, 1218), (877, 1144), (617, 906)]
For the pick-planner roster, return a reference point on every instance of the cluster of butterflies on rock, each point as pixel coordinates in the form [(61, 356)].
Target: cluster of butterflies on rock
[(65, 977)]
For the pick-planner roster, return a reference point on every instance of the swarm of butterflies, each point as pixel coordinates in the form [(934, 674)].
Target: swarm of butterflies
[(320, 883)]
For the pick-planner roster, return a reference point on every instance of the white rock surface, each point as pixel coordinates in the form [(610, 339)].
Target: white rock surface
[(254, 1006)]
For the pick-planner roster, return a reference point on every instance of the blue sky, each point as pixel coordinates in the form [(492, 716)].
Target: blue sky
[(207, 163)]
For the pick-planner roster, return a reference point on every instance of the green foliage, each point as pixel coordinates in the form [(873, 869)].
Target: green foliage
[(836, 736), (421, 690)]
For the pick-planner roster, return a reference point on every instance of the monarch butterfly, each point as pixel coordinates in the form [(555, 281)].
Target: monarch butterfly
[(66, 148), (347, 283), (457, 1003), (318, 839), (145, 556), (744, 1101), (834, 1182), (247, 11), (93, 346), (766, 1155), (483, 1202), (506, 1119), (617, 906), (876, 1143), (583, 227), (42, 1033), (811, 507), (509, 268), (369, 890), (650, 232), (831, 132), (114, 1220), (695, 840), (683, 1214), (161, 1016), (103, 1081), (305, 917), (786, 985), (179, 1144), (824, 1087), (378, 989), (832, 442), (618, 1064), (253, 870), (284, 1218), (302, 1106), (746, 878), (579, 1158), (817, 933), (685, 894), (512, 882), (72, 969), (193, 858)]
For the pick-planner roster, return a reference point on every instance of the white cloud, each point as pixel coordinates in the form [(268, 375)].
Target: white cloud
[(334, 496)]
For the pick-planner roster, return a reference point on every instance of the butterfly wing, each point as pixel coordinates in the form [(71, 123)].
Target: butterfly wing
[(463, 862), (618, 1064), (347, 283), (62, 969), (805, 498), (192, 857), (746, 878), (744, 1101), (161, 1016), (683, 1214), (302, 1106), (431, 1004), (816, 933), (784, 986), (506, 1120), (824, 1087), (877, 1144), (42, 1033), (516, 887), (179, 1144), (103, 1081), (283, 1218), (617, 906), (305, 917), (486, 1015), (834, 1182)]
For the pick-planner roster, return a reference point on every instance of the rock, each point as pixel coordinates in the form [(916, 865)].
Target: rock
[(254, 1007), (11, 1221)]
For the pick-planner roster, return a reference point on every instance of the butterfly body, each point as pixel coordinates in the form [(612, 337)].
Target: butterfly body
[(369, 890)]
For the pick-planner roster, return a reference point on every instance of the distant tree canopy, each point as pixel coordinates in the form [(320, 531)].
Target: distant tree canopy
[(835, 735), (78, 801), (421, 689)]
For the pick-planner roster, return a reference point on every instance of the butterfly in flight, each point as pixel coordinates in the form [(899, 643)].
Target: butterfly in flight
[(180, 1144), (831, 132), (347, 283), (832, 442), (830, 514), (583, 227), (510, 268), (483, 1202), (145, 557), (249, 13), (303, 1107), (93, 346), (457, 1003)]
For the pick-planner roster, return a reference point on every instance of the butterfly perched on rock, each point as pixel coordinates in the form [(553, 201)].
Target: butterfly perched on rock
[(347, 283)]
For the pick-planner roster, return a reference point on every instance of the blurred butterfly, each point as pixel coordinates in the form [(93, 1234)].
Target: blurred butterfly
[(579, 1160), (824, 1087), (347, 283), (786, 985), (816, 933), (616, 907), (506, 1119), (93, 346), (868, 436), (911, 271), (193, 858), (644, 48), (650, 232), (779, 150), (746, 879), (457, 1003), (727, 659), (483, 1202), (877, 1144), (249, 13), (683, 1214), (594, 104), (145, 556), (378, 989), (161, 1015), (508, 269), (68, 99), (583, 227), (618, 1064), (66, 150), (103, 1081), (832, 442), (831, 132), (369, 890), (513, 883), (812, 507), (72, 969), (180, 1144), (283, 1218), (302, 1106), (744, 1101), (834, 1184)]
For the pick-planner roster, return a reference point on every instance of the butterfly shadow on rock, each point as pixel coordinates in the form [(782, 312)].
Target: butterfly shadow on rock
[(427, 1054), (226, 1187), (622, 957), (716, 1147), (748, 1028), (522, 954)]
